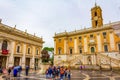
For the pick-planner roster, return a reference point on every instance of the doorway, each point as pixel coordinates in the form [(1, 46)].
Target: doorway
[(27, 62), (16, 61), (3, 60)]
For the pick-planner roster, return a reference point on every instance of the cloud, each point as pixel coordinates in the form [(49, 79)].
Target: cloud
[(45, 17)]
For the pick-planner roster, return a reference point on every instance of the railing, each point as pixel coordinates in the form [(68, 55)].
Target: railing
[(107, 60)]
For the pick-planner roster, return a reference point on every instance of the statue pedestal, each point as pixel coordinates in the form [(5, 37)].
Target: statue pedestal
[(43, 67)]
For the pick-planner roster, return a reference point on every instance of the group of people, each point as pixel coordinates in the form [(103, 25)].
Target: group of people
[(15, 70), (58, 73)]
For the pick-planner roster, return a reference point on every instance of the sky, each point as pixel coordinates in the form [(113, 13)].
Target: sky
[(47, 17)]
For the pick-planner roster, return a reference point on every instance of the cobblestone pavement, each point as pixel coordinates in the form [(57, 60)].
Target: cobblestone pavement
[(95, 75), (76, 75)]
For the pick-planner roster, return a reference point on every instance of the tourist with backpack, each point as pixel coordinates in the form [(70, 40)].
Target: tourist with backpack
[(61, 73)]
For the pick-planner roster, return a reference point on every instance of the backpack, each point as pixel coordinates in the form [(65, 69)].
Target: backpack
[(62, 71)]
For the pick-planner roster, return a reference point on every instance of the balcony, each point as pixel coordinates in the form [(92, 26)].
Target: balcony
[(37, 56), (92, 42), (29, 55), (18, 54)]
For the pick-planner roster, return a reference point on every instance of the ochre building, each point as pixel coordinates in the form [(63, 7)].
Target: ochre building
[(19, 48), (97, 45)]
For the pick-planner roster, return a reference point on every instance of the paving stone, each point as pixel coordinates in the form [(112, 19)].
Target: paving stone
[(99, 79)]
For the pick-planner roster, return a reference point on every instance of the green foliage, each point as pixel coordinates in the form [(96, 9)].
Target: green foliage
[(48, 48)]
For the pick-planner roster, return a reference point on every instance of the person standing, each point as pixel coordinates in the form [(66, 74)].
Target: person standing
[(9, 71), (69, 74), (27, 70)]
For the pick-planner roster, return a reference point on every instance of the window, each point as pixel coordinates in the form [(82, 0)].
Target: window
[(59, 40), (28, 50), (96, 23), (80, 38), (70, 51), (119, 47), (95, 13), (92, 50), (18, 49), (59, 51), (4, 45), (105, 48), (91, 36), (80, 50), (104, 34), (70, 39), (37, 52)]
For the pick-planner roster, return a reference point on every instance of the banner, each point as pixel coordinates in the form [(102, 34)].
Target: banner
[(5, 52)]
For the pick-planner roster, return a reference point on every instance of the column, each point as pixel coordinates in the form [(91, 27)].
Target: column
[(112, 41), (75, 45), (11, 57), (24, 53), (85, 44), (99, 44)]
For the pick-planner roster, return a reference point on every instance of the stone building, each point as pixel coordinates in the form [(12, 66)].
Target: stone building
[(19, 48), (97, 45)]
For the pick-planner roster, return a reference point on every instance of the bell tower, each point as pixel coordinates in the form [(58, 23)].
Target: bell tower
[(96, 16)]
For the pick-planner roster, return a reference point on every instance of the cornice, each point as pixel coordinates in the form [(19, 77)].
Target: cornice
[(16, 32), (88, 30)]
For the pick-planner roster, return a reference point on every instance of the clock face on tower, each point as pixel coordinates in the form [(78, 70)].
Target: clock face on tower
[(95, 18)]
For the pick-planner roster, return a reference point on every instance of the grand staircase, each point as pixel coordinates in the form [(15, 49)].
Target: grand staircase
[(101, 60), (110, 60)]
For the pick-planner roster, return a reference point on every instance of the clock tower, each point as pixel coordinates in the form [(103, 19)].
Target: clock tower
[(96, 16)]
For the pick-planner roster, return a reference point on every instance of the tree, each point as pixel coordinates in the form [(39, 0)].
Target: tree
[(48, 49)]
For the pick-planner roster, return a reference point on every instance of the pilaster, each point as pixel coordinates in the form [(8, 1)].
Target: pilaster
[(24, 53), (33, 58), (112, 41), (99, 44), (75, 45), (11, 57), (85, 44)]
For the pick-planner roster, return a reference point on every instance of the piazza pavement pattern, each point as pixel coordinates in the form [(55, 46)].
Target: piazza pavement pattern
[(75, 75)]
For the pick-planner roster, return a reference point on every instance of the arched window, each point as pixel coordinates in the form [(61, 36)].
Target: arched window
[(80, 50), (36, 51), (119, 47), (28, 50), (59, 50), (92, 50), (71, 51), (105, 48), (95, 13), (18, 49), (4, 45), (96, 23)]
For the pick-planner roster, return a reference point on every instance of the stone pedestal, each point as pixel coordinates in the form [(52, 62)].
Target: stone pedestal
[(43, 67)]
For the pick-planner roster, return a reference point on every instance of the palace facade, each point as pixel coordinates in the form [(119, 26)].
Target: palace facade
[(97, 45), (19, 48)]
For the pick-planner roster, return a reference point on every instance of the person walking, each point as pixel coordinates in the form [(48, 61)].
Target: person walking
[(15, 72)]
